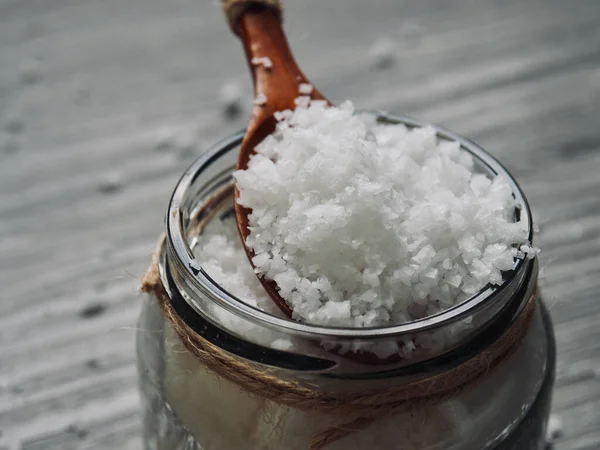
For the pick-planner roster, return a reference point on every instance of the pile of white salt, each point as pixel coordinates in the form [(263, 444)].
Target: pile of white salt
[(364, 224)]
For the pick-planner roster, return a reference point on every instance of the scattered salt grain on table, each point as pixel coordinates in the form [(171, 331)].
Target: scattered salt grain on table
[(13, 124), (230, 97), (411, 32), (383, 53), (30, 72), (362, 224), (166, 138), (182, 142), (9, 143), (110, 183), (555, 428)]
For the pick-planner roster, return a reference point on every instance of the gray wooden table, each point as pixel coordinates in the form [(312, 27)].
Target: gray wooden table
[(103, 103)]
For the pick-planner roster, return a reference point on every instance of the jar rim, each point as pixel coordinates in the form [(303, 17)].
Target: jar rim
[(183, 257)]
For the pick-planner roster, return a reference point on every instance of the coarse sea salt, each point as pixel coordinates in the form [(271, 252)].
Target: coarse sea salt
[(364, 224), (260, 99), (264, 61), (305, 88)]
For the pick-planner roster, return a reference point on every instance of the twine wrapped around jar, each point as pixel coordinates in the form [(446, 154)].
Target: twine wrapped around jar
[(356, 410)]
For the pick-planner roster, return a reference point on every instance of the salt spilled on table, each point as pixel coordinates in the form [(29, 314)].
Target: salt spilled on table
[(30, 71), (555, 428), (13, 124), (364, 224), (383, 53), (110, 183), (231, 98)]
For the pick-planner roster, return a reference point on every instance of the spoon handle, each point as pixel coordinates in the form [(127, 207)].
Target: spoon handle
[(235, 10), (275, 73)]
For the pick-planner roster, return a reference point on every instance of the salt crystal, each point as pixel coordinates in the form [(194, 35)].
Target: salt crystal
[(529, 252), (454, 279), (303, 101), (261, 260), (13, 124), (305, 88), (282, 344), (425, 255), (282, 115), (264, 61), (260, 99), (333, 313)]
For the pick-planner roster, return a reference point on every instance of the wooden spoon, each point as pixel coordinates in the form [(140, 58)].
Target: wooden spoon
[(276, 86), (258, 25)]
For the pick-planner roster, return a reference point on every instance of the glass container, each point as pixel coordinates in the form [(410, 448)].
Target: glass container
[(188, 407)]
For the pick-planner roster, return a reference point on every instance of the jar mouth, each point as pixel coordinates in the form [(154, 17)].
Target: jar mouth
[(181, 254)]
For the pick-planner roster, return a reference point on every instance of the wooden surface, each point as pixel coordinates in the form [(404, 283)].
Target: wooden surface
[(103, 103)]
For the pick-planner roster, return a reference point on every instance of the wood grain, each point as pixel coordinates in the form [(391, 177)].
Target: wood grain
[(103, 103)]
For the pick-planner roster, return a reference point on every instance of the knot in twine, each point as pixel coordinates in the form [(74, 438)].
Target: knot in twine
[(365, 406)]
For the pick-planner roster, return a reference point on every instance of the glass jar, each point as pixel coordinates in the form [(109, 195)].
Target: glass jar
[(187, 406)]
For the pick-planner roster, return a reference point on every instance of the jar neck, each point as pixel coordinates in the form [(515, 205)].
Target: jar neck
[(204, 194)]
